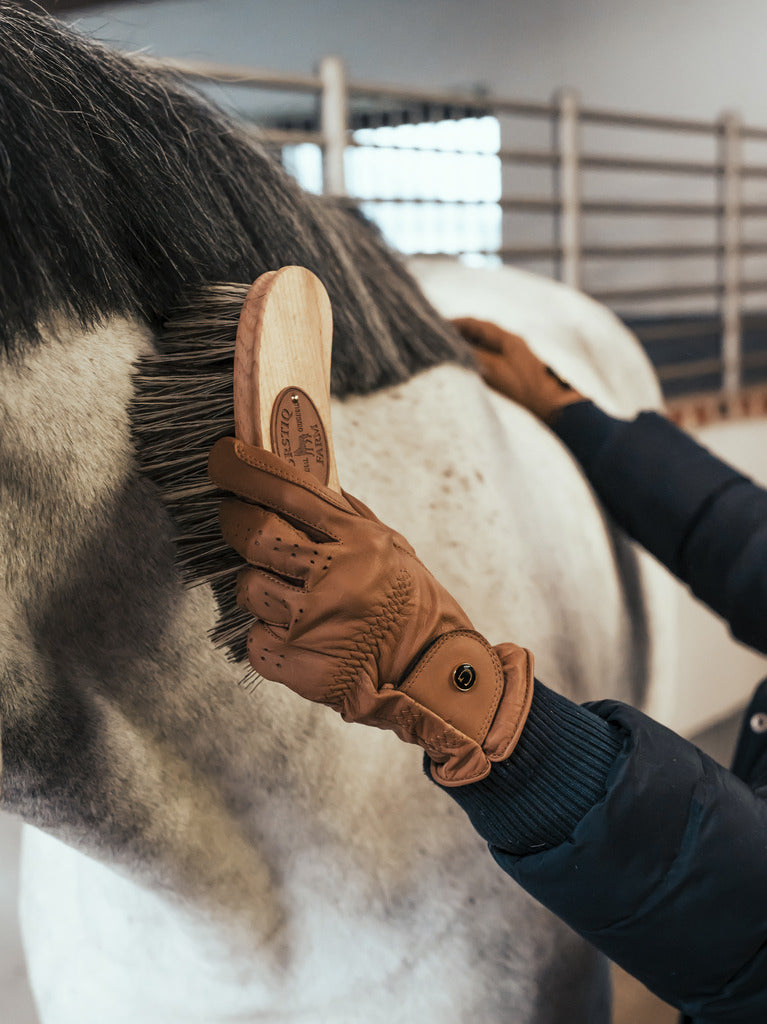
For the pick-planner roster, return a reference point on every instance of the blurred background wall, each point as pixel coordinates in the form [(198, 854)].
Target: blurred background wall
[(691, 58)]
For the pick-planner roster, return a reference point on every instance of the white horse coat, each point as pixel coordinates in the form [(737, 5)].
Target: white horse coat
[(277, 864)]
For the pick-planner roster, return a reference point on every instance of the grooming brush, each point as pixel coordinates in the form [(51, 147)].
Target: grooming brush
[(249, 361)]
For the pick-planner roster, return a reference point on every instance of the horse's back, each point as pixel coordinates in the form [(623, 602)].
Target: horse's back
[(589, 346)]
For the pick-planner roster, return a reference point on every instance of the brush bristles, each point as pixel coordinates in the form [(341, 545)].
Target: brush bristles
[(251, 681), (181, 406)]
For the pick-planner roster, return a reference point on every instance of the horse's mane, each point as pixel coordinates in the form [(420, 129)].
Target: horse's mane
[(121, 189)]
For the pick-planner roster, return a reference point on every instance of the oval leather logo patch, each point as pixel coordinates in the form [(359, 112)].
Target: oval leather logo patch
[(298, 435)]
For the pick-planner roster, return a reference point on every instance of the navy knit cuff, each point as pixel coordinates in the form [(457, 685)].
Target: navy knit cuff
[(556, 773)]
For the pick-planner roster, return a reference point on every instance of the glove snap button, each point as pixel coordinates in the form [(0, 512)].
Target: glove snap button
[(464, 677)]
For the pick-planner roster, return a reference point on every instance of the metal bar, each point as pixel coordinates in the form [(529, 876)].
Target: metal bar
[(649, 293), (275, 137), (753, 170), (542, 157), (469, 101), (593, 115), (695, 368), (672, 330), (668, 250), (396, 147), (531, 204), (514, 252), (731, 150), (524, 252), (568, 140), (621, 207), (334, 118), (749, 132), (754, 359), (659, 251), (527, 252), (235, 74), (602, 161)]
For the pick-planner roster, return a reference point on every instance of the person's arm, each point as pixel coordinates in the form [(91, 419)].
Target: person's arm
[(642, 844), (622, 829), (702, 518)]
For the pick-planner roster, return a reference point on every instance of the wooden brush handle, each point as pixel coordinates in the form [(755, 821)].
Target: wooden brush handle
[(282, 371)]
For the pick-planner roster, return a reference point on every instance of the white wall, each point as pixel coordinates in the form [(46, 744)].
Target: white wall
[(692, 57)]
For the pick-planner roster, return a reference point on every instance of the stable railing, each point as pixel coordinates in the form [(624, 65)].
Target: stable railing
[(718, 299)]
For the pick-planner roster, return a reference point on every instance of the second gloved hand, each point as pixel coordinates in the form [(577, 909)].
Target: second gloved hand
[(349, 617), (512, 368)]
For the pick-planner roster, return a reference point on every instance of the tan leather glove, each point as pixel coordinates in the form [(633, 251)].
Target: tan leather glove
[(509, 366), (349, 617)]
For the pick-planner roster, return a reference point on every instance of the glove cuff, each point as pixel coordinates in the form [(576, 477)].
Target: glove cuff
[(482, 693), (517, 664)]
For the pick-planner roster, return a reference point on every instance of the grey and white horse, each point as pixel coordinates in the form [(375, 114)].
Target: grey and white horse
[(194, 853)]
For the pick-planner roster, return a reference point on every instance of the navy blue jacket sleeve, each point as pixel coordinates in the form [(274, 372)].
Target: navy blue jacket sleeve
[(666, 874), (645, 846), (699, 516)]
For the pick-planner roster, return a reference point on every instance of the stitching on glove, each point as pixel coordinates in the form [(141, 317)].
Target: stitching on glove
[(376, 628), (443, 742), (254, 460), (289, 513), (274, 576)]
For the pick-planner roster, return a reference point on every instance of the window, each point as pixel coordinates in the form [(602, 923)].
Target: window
[(432, 187)]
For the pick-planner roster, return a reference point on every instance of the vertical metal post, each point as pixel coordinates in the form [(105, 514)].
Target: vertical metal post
[(569, 145), (334, 120), (730, 234)]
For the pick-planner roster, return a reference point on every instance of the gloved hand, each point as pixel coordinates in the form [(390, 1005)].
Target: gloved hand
[(509, 366), (349, 617)]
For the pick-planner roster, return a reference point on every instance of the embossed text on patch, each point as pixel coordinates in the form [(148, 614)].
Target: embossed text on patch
[(298, 434)]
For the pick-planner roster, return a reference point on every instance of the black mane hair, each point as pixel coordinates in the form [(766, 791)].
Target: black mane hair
[(121, 190)]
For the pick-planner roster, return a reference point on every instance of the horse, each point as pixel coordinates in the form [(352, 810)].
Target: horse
[(193, 852)]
